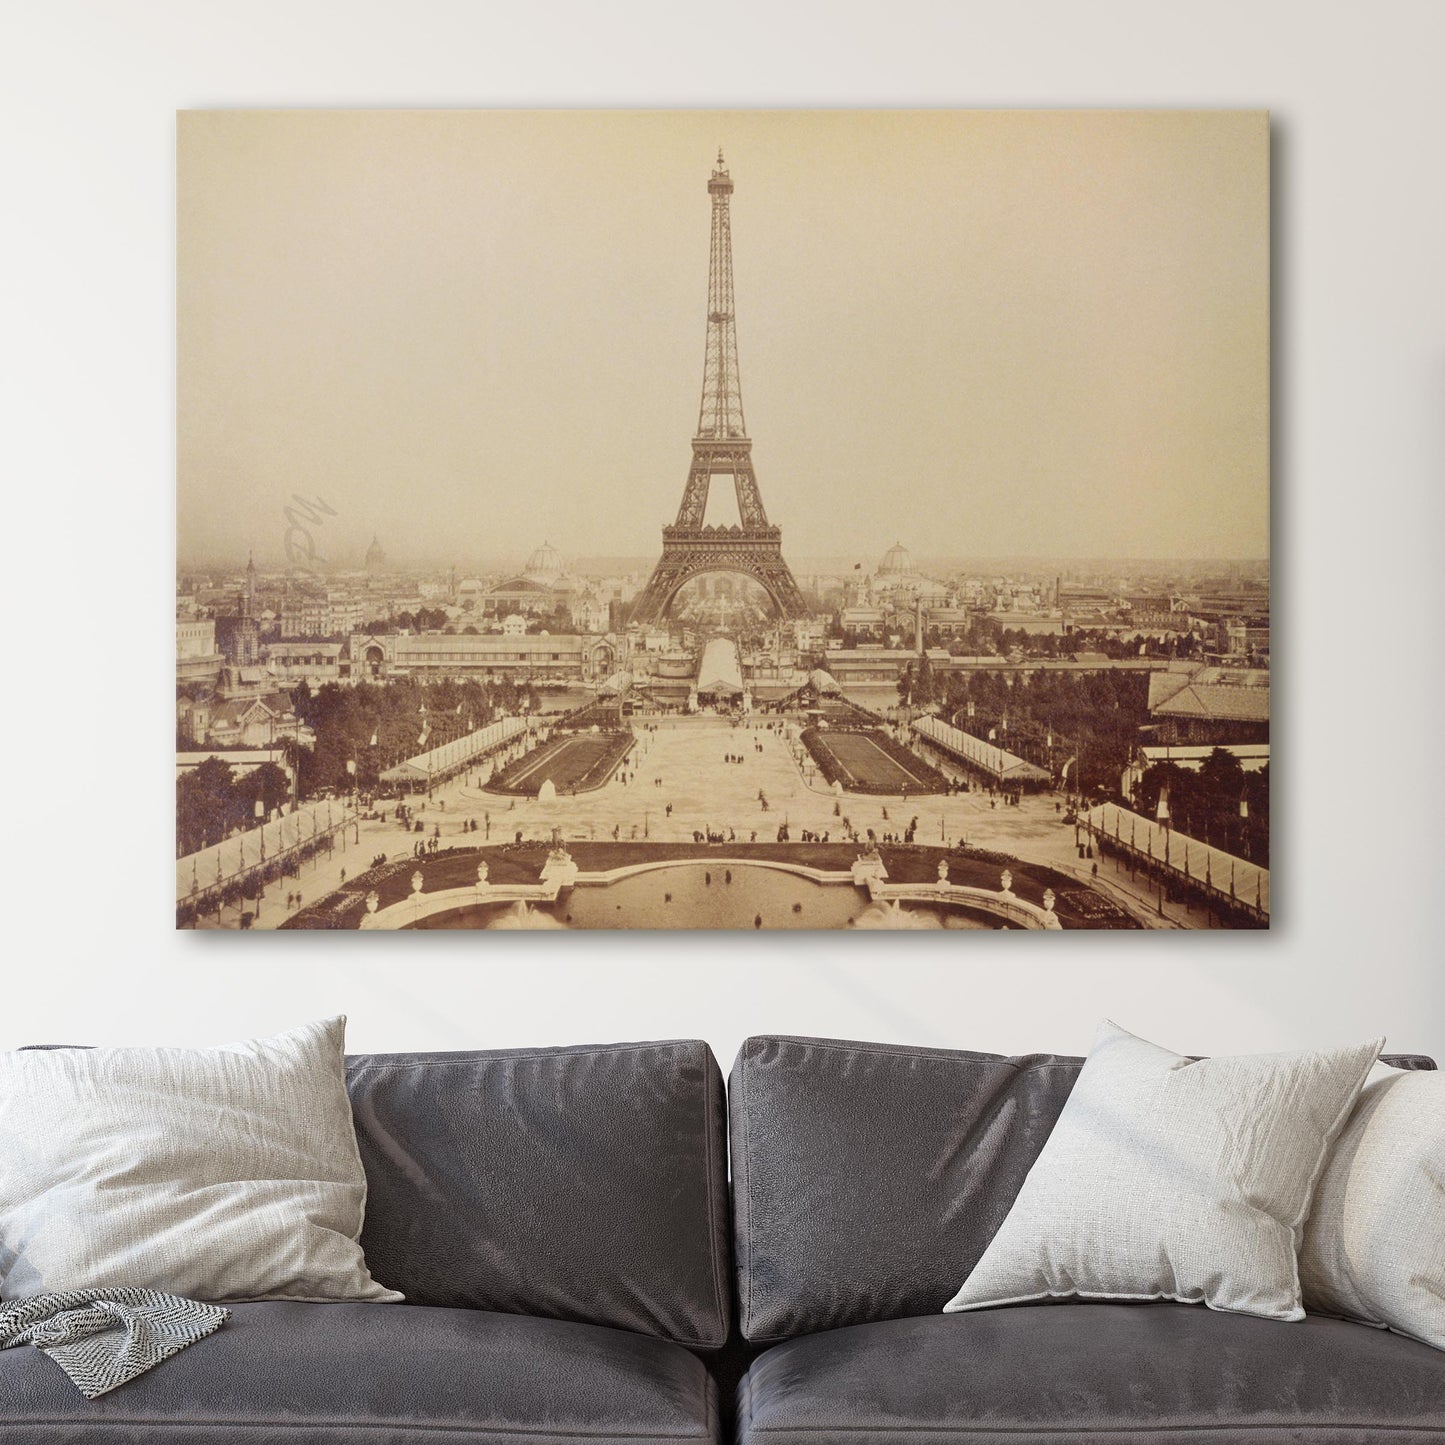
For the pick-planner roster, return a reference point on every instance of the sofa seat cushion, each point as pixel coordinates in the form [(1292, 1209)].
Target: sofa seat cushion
[(321, 1374), (1105, 1373)]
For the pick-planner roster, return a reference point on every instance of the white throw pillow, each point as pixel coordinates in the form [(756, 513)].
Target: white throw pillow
[(222, 1174), (1374, 1244), (1171, 1178)]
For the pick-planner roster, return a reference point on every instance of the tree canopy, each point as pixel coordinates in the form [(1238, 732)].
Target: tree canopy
[(212, 801)]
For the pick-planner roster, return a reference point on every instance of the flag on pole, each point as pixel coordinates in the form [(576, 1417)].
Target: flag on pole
[(373, 740), (351, 766)]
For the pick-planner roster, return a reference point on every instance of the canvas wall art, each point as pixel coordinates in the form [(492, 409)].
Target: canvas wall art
[(741, 520)]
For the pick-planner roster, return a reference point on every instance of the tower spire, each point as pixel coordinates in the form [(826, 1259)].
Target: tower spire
[(721, 412)]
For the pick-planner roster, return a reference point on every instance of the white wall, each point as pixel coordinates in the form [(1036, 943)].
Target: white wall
[(88, 96)]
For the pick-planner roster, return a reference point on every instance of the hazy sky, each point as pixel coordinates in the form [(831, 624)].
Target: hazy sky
[(980, 333)]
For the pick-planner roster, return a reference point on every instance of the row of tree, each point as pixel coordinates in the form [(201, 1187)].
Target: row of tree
[(375, 726), (212, 801), (436, 619), (1220, 804), (986, 638), (1086, 723), (1087, 639), (424, 619), (369, 726), (1085, 728)]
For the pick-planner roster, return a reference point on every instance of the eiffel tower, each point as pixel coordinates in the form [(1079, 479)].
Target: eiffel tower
[(720, 448)]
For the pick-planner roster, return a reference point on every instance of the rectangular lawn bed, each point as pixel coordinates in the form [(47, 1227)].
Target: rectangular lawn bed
[(575, 762), (869, 761)]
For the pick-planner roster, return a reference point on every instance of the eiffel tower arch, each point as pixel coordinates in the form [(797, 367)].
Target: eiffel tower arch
[(721, 448)]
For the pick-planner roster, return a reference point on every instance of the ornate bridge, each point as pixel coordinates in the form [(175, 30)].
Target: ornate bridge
[(720, 448)]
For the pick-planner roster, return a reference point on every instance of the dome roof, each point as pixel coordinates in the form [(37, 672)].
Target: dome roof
[(896, 562), (544, 565)]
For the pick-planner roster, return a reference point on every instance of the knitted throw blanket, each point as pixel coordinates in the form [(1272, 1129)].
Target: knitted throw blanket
[(103, 1337)]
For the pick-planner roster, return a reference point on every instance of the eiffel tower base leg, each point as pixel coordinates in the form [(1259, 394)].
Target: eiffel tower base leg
[(687, 554)]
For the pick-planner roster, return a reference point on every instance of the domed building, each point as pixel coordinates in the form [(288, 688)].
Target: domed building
[(540, 587), (544, 565), (897, 563), (897, 577), (375, 556), (896, 585)]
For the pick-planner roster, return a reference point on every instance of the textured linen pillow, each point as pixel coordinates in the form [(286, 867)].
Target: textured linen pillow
[(1374, 1244), (223, 1174), (1171, 1178)]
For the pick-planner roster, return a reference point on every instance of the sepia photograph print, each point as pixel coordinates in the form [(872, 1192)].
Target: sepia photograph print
[(723, 520)]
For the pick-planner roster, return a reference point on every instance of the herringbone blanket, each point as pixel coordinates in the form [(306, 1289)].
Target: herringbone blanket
[(103, 1337)]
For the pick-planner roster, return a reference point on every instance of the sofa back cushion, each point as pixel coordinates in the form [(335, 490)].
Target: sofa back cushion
[(574, 1183), (868, 1178)]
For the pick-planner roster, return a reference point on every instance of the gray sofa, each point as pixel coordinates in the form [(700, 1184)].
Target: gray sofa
[(559, 1220), (867, 1181)]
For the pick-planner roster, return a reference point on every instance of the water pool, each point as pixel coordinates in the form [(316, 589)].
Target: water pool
[(709, 895)]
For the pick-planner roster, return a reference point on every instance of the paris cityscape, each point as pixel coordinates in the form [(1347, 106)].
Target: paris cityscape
[(788, 697)]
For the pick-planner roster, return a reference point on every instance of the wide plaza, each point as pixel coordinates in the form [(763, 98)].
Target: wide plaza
[(711, 776)]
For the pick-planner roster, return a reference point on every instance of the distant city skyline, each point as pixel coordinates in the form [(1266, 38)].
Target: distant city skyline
[(1043, 333), (641, 561)]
